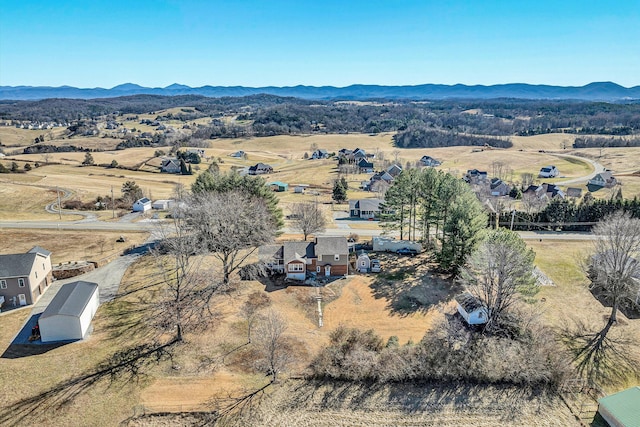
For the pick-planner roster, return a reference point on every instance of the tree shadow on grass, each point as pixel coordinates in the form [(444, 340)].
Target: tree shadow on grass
[(500, 401), (126, 365), (604, 355), (411, 285)]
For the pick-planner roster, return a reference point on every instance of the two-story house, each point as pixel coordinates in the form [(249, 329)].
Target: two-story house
[(24, 277), (325, 256)]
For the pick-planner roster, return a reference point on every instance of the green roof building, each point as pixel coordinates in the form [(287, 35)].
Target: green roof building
[(621, 409)]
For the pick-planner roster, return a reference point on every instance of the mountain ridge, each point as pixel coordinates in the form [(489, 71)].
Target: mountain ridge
[(596, 91)]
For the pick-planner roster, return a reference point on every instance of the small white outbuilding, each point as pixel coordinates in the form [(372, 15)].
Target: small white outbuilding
[(142, 205), (363, 264), (472, 309), (68, 316)]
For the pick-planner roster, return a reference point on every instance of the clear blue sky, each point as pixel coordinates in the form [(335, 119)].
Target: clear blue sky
[(284, 43)]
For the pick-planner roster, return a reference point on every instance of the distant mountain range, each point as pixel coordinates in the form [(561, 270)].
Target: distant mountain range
[(604, 91)]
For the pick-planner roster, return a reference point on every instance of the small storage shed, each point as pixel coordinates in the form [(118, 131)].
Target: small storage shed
[(68, 316), (471, 309), (278, 186), (621, 409), (142, 205), (363, 264)]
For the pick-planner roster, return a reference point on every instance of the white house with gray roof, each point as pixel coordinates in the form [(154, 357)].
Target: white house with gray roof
[(365, 208), (24, 277), (68, 316)]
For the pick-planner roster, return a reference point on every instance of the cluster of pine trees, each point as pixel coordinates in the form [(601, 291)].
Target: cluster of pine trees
[(437, 208)]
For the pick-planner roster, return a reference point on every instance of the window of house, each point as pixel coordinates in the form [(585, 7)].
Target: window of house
[(296, 267), (21, 283), (336, 257), (43, 266), (318, 268), (36, 274), (3, 284)]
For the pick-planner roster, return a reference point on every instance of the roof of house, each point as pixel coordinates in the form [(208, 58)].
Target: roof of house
[(468, 302), (39, 250), (71, 299), (365, 164), (144, 200), (268, 252), (279, 183), (297, 251), (384, 175), (624, 406), (366, 204), (394, 170), (331, 246), (605, 175), (17, 265), (260, 166)]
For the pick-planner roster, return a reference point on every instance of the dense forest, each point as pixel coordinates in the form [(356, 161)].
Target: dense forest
[(419, 124)]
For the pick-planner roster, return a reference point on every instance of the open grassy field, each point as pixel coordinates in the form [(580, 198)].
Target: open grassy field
[(68, 245)]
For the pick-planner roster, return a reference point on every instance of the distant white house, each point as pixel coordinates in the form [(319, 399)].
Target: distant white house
[(142, 205), (603, 179), (471, 309), (320, 153), (365, 208), (548, 172), (300, 188), (68, 316)]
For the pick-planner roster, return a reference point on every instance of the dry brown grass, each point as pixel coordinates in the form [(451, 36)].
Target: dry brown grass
[(68, 245), (570, 300)]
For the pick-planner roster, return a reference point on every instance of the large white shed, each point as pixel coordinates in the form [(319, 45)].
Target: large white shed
[(68, 316), (471, 309)]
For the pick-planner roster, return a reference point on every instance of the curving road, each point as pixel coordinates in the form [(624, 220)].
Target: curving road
[(597, 168)]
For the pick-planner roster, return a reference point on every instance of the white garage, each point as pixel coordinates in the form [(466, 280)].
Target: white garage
[(68, 316)]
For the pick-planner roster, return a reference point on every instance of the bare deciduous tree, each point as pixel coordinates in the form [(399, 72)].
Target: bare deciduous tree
[(500, 269), (527, 180), (308, 218), (251, 308), (181, 298), (614, 266), (276, 354), (231, 225)]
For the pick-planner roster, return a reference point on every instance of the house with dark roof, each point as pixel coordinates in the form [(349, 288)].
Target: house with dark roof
[(394, 170), (471, 309), (548, 172), (365, 208), (260, 168), (24, 277), (544, 191), (326, 256), (320, 153), (365, 166), (68, 316), (429, 161), (170, 166), (475, 176), (498, 187)]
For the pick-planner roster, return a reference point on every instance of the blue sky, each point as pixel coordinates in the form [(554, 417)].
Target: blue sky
[(286, 43)]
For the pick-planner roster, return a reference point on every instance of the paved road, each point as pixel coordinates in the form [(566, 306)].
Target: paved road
[(597, 168), (80, 225)]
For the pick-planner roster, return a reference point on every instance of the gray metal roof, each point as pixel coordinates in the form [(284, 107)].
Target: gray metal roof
[(39, 250), (71, 299), (17, 265), (331, 246)]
